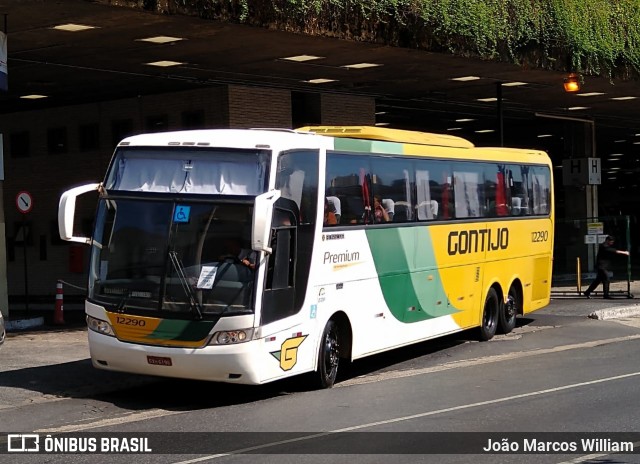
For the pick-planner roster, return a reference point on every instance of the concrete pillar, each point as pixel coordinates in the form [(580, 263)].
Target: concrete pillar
[(579, 145), (4, 294)]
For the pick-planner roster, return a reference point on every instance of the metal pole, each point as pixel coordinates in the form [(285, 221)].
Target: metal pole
[(500, 115), (26, 280)]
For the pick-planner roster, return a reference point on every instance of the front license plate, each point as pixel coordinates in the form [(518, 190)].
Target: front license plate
[(159, 360)]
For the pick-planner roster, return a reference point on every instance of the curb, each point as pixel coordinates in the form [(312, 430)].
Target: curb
[(22, 324), (616, 313)]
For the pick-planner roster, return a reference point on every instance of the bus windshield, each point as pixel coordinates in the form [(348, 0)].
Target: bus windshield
[(191, 258), (212, 171)]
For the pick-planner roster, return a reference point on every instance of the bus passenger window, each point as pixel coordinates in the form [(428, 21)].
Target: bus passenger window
[(391, 183), (518, 180), (468, 189), (347, 180)]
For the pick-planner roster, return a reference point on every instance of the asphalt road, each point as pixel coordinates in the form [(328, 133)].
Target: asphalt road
[(559, 371)]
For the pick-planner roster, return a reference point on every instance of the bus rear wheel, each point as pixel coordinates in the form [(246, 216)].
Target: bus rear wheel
[(509, 311), (489, 324), (328, 356)]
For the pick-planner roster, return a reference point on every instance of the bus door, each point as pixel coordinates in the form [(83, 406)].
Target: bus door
[(279, 294), (292, 235)]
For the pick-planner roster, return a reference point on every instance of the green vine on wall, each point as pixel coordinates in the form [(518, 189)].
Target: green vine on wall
[(589, 36)]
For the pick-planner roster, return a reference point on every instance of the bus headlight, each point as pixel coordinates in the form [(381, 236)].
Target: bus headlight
[(231, 337), (100, 326)]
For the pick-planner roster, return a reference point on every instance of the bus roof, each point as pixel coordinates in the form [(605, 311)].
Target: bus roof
[(238, 138), (389, 135)]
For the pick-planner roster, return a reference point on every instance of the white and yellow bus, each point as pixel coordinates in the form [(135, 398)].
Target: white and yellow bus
[(211, 257)]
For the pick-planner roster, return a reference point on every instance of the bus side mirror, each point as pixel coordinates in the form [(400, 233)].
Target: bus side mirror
[(261, 223), (67, 211)]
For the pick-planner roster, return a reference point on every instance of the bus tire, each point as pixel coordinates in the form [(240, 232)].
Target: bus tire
[(489, 323), (328, 356), (509, 311)]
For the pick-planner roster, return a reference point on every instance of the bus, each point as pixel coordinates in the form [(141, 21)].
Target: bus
[(211, 257)]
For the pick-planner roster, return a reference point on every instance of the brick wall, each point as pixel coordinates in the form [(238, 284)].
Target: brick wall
[(259, 107), (348, 110)]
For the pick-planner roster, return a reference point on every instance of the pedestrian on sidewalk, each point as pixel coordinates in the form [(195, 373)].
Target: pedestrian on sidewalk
[(606, 252)]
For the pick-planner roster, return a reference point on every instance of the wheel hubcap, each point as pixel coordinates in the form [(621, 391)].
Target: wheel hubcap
[(331, 352), (510, 310)]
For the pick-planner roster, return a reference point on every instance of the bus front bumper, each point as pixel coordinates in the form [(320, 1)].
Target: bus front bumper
[(229, 363)]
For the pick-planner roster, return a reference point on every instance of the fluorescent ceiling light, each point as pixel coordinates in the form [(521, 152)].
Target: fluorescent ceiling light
[(614, 159), (33, 97), (542, 136), (381, 112), (619, 141), (616, 154), (636, 143), (590, 94), (361, 65), (465, 120), (614, 169), (382, 124), (576, 108), (302, 58), (484, 131), (465, 78), (161, 39), (319, 81), (164, 64), (623, 98), (73, 27), (490, 99), (454, 128), (513, 84)]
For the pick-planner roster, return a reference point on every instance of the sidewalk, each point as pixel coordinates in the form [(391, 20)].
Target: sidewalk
[(625, 302)]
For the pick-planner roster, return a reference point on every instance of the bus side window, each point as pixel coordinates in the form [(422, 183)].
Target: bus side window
[(519, 185), (468, 190), (391, 182), (344, 180)]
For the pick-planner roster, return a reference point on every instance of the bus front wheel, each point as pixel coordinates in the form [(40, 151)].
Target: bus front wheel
[(328, 356), (489, 323)]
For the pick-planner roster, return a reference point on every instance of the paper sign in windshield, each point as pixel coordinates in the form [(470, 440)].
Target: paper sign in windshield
[(207, 276)]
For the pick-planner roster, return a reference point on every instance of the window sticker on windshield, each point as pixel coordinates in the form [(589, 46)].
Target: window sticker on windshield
[(182, 213), (207, 276)]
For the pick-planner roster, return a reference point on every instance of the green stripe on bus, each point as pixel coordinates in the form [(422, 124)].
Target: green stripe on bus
[(367, 146), (186, 331), (408, 275)]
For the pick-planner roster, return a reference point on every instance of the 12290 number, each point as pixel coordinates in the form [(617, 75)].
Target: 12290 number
[(130, 321), (540, 236)]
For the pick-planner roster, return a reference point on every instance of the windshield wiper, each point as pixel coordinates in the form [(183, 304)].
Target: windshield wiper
[(188, 291), (123, 301)]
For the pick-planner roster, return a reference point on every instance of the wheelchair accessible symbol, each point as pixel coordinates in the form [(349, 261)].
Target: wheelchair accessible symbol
[(182, 213)]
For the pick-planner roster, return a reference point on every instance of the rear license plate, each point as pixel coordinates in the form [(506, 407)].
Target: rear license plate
[(159, 360)]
